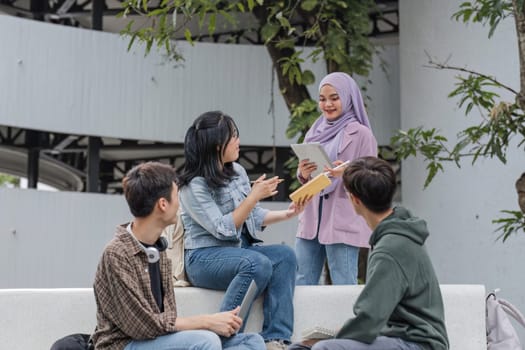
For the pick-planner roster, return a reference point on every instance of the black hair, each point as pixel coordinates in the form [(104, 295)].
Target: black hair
[(373, 181), (145, 184), (204, 146)]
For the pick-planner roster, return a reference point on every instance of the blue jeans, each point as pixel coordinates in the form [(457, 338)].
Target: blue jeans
[(342, 261), (381, 343), (199, 340), (231, 269)]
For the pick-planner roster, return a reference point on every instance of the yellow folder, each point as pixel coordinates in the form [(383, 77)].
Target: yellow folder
[(311, 188)]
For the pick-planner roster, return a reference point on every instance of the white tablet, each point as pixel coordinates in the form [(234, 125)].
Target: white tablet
[(315, 153), (249, 297)]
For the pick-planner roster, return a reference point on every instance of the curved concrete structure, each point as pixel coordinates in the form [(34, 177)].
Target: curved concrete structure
[(51, 172)]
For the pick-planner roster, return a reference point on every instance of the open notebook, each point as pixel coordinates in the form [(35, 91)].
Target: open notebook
[(315, 153), (318, 333)]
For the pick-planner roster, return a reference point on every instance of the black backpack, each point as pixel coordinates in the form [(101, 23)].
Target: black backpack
[(76, 341)]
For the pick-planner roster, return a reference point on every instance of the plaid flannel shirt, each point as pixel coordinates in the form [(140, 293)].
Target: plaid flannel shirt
[(126, 308)]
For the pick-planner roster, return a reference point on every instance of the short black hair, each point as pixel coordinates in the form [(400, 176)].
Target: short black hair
[(204, 146), (145, 184), (373, 181)]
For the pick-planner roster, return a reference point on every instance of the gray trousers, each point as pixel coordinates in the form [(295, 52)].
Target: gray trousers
[(381, 343)]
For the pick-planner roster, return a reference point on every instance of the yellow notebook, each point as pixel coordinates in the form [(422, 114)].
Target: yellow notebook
[(312, 187)]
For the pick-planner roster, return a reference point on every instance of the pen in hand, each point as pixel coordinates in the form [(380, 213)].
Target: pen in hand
[(255, 181), (339, 167)]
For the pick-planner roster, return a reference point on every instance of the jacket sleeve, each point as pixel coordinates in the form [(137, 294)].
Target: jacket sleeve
[(258, 213), (121, 300), (199, 204), (386, 284)]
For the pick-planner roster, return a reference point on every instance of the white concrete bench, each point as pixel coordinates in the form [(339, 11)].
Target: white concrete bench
[(32, 319)]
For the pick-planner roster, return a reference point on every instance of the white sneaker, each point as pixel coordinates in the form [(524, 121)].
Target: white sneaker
[(276, 345)]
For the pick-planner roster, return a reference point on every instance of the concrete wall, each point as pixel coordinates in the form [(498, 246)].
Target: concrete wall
[(382, 90), (54, 239), (79, 81), (460, 203)]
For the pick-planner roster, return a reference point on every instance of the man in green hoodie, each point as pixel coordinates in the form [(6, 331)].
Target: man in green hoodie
[(400, 306)]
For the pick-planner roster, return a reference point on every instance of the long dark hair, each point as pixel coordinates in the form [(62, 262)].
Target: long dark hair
[(204, 146)]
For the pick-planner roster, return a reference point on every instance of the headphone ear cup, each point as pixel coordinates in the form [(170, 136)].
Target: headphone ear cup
[(153, 254), (162, 244)]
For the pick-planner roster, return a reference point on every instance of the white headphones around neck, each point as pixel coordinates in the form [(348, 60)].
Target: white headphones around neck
[(153, 253)]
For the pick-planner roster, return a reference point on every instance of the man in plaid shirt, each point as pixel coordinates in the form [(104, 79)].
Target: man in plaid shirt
[(133, 285)]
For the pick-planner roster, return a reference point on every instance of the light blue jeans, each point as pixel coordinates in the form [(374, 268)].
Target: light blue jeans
[(199, 340), (342, 261), (381, 343), (231, 269)]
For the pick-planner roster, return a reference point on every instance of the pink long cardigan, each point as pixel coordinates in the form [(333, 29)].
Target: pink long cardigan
[(339, 222)]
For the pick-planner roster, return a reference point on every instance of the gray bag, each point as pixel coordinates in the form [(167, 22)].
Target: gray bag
[(501, 334)]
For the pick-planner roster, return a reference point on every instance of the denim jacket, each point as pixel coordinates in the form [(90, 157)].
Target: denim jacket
[(207, 213)]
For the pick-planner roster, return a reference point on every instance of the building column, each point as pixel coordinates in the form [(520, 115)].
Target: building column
[(93, 164)]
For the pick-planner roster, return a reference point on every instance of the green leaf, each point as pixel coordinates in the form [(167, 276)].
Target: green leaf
[(512, 224), (156, 12), (308, 77), (211, 24), (187, 35), (228, 17), (286, 44), (269, 31), (149, 43), (283, 20), (308, 5)]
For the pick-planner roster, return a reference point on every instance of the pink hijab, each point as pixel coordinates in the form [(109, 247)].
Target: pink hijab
[(353, 109)]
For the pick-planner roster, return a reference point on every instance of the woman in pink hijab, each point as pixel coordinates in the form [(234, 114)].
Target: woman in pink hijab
[(329, 228)]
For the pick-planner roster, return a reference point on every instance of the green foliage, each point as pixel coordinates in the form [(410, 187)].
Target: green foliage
[(501, 121), (292, 69), (303, 116), (492, 136), (489, 12), (488, 139), (9, 180), (513, 223), (335, 31), (429, 143), (473, 91), (340, 28)]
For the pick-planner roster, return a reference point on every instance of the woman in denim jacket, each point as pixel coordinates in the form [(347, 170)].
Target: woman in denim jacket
[(221, 215)]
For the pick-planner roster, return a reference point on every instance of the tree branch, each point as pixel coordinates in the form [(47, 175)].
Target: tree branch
[(438, 65)]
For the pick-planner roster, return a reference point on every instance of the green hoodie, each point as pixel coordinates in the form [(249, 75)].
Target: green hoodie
[(401, 297)]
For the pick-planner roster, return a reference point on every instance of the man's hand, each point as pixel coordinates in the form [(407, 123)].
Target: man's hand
[(225, 323)]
